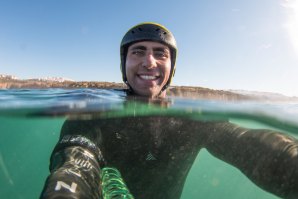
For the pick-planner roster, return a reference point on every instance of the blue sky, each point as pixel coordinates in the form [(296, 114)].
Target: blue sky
[(249, 45)]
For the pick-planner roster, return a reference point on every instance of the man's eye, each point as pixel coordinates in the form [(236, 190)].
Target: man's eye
[(138, 52), (161, 54)]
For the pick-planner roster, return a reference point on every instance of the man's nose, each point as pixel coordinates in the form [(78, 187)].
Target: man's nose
[(149, 61)]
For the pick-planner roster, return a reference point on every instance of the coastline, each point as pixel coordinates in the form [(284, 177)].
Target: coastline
[(176, 91)]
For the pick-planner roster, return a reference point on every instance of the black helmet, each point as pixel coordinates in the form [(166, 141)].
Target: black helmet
[(148, 32)]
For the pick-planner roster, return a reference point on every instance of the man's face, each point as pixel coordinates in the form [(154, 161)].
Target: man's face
[(148, 67)]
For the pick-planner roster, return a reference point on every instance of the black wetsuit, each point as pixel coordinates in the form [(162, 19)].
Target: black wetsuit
[(154, 155)]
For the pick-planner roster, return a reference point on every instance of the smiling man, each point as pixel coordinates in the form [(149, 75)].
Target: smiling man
[(148, 57), (155, 153), (148, 67)]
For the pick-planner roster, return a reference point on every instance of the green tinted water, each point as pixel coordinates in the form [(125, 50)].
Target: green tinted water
[(25, 148), (27, 139), (26, 144)]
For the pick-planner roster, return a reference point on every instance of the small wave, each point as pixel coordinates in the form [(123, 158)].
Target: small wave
[(114, 103)]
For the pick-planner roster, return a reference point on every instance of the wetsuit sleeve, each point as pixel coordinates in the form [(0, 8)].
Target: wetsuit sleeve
[(75, 164), (268, 158)]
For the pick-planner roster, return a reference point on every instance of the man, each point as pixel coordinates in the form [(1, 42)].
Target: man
[(148, 57), (155, 153)]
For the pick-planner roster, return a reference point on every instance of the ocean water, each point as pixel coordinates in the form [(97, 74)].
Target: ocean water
[(31, 120)]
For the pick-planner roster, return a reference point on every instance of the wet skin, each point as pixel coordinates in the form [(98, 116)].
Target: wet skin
[(148, 66)]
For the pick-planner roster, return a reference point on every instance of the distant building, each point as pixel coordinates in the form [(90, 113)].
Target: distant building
[(8, 77), (55, 79)]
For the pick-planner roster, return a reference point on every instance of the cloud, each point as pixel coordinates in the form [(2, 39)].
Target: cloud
[(241, 28), (291, 25), (265, 46)]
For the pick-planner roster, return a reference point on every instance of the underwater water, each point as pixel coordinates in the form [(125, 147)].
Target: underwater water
[(31, 120)]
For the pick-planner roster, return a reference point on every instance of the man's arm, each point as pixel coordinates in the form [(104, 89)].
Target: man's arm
[(268, 158), (75, 163)]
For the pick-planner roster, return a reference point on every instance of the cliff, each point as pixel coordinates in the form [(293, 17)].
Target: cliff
[(177, 91), (36, 83)]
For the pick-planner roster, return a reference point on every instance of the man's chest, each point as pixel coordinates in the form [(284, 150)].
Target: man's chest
[(147, 144)]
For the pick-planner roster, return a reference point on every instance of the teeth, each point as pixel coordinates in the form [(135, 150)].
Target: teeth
[(149, 77)]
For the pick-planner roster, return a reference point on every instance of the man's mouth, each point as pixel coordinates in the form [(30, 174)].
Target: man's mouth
[(149, 77)]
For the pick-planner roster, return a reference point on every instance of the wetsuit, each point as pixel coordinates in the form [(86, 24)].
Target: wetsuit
[(154, 155)]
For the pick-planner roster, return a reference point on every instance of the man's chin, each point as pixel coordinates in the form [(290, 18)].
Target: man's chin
[(150, 93)]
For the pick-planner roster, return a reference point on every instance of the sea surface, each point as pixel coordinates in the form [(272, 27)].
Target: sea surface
[(31, 120)]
